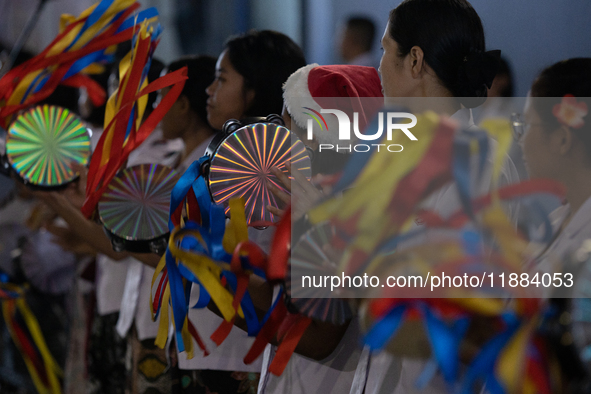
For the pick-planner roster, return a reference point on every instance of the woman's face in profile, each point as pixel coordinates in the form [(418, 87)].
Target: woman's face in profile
[(536, 142), (393, 70), (228, 98)]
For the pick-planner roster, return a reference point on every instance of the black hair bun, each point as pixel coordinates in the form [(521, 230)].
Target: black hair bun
[(476, 75)]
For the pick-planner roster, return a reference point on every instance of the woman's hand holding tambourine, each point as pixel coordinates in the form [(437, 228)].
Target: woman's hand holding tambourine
[(305, 193)]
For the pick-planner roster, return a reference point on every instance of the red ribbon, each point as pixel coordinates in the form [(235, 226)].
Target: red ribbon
[(276, 268), (100, 176), (62, 62)]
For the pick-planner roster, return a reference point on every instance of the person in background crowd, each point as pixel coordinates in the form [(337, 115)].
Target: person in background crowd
[(327, 354), (185, 121), (357, 41), (555, 134)]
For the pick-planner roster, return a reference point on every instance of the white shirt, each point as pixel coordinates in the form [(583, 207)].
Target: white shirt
[(302, 375), (568, 241), (111, 274)]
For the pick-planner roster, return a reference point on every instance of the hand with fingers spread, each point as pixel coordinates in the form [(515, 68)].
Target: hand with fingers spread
[(304, 194)]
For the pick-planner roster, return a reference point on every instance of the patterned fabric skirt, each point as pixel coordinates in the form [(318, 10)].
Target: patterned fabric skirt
[(148, 367), (210, 381)]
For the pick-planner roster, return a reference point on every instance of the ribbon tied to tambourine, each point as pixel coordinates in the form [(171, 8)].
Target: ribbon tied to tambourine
[(231, 180), (376, 218), (125, 127)]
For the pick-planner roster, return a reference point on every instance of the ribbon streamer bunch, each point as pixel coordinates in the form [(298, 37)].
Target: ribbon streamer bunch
[(125, 127), (217, 257), (83, 44), (376, 219), (27, 336)]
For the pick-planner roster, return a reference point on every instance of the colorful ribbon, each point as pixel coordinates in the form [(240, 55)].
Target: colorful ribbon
[(28, 338), (81, 46), (125, 128)]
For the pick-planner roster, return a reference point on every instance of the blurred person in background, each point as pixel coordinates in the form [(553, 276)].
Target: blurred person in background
[(357, 42)]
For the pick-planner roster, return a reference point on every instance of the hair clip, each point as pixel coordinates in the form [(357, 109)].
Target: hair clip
[(570, 112)]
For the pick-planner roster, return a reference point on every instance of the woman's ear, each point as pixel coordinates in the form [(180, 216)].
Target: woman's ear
[(249, 96), (416, 58), (564, 139), (183, 104)]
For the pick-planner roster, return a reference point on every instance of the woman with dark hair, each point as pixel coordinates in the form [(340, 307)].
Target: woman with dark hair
[(434, 58), (435, 48), (249, 75), (555, 135)]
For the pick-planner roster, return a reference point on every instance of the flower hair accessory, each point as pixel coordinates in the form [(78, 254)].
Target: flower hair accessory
[(570, 112)]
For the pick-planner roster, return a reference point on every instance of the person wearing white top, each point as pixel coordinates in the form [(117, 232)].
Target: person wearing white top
[(555, 137), (249, 74), (426, 55)]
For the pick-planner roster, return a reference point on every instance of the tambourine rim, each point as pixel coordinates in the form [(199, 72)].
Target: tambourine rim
[(42, 186)]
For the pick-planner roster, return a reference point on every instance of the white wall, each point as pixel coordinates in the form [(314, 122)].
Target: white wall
[(284, 16)]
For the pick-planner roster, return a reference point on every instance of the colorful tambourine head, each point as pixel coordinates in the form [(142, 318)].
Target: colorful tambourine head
[(241, 167), (44, 143), (135, 207)]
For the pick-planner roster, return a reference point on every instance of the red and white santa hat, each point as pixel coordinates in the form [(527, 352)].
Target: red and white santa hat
[(344, 87)]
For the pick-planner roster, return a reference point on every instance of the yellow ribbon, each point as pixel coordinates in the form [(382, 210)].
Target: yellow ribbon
[(52, 369)]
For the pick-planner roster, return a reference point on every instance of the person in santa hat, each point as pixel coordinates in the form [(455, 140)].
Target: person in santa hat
[(327, 355), (351, 89)]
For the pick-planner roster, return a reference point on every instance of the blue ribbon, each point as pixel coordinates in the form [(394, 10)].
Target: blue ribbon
[(140, 17), (445, 342), (383, 330), (96, 14), (177, 297), (483, 366)]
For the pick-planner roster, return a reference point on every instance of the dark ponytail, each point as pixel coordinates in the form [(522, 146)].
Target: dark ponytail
[(451, 36), (201, 72)]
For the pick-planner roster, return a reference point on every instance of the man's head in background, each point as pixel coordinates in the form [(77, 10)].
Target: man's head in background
[(358, 38)]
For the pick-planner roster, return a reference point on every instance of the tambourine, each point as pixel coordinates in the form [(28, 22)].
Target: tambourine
[(315, 254), (241, 158), (135, 207), (43, 143)]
